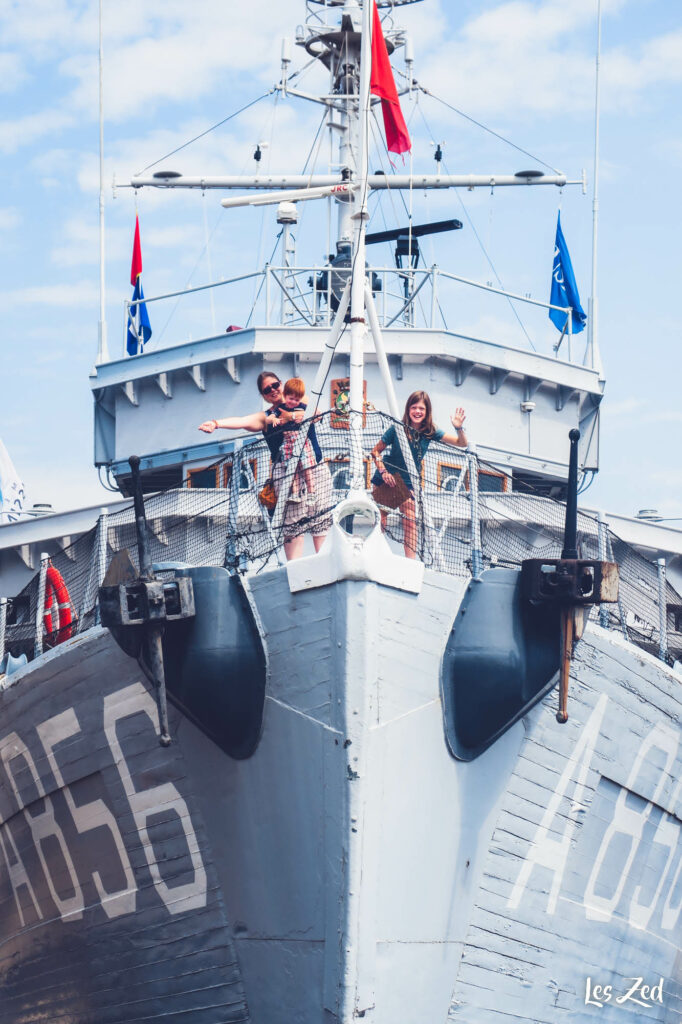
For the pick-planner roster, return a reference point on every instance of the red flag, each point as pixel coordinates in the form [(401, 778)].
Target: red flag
[(382, 84), (136, 266)]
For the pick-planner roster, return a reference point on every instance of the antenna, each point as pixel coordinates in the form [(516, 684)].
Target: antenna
[(102, 347), (592, 356), (393, 234), (357, 288)]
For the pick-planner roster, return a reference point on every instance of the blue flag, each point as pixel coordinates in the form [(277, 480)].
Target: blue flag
[(564, 289), (12, 495), (139, 328)]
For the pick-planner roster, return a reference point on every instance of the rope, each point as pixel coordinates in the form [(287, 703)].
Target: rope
[(479, 124), (208, 131), (480, 242)]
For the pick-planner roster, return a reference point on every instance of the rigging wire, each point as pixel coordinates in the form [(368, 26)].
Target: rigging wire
[(351, 276), (262, 281), (317, 146), (207, 132), (338, 341), (479, 124), (480, 242), (158, 337), (312, 147), (220, 218), (382, 143), (261, 240), (252, 103), (492, 267), (318, 139)]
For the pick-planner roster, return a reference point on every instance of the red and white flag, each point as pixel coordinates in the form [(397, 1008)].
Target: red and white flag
[(382, 84)]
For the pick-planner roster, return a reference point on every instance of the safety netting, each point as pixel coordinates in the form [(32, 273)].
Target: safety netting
[(458, 514)]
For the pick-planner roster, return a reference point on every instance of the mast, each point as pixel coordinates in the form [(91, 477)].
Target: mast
[(102, 347), (357, 294), (592, 356)]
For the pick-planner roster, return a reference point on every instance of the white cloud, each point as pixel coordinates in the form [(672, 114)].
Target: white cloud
[(194, 53), (79, 244), (670, 416), (10, 218), (12, 72), (539, 58), (73, 294), (659, 61), (624, 408), (25, 130)]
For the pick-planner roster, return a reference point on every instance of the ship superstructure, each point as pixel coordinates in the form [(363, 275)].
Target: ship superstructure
[(523, 402)]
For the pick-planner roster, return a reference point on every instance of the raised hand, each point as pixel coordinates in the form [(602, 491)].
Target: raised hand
[(458, 417)]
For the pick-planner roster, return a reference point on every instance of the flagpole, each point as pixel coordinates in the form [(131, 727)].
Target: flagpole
[(592, 355), (102, 346), (357, 299)]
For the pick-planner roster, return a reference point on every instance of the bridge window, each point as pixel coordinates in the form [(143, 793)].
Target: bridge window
[(449, 473), (340, 471), (245, 480), (206, 476)]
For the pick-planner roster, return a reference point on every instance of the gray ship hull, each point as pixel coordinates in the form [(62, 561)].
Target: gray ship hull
[(351, 868)]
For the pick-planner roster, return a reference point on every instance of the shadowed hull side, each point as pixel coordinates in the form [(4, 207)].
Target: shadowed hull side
[(110, 911), (583, 877)]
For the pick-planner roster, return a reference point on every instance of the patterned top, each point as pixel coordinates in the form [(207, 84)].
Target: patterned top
[(311, 454), (419, 443)]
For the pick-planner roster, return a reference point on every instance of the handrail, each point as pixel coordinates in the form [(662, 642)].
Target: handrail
[(501, 291), (462, 531), (197, 288), (312, 306)]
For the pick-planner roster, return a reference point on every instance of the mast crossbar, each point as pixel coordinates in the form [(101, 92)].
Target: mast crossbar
[(375, 181)]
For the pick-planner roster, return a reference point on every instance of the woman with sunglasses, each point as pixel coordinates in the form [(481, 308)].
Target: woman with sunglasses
[(272, 423), (270, 387)]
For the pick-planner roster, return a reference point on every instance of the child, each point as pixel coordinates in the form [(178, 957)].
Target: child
[(294, 392)]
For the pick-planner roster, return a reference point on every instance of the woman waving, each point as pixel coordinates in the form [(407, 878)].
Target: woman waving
[(421, 431)]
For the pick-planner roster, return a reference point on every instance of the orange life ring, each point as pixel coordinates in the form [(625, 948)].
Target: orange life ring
[(55, 591)]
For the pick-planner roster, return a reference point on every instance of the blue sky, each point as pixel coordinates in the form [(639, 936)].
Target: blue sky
[(525, 68)]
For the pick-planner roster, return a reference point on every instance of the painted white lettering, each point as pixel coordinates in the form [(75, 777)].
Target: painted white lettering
[(546, 851), (88, 817), (44, 826), (670, 915), (155, 800), (630, 823), (629, 996), (597, 995), (18, 875), (667, 834)]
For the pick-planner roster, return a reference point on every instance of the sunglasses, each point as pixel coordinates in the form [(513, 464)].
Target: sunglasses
[(272, 387)]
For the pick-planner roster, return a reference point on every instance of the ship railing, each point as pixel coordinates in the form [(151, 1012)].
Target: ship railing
[(426, 298), (468, 516)]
